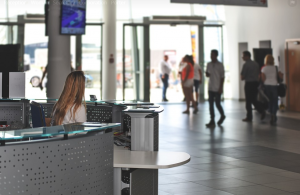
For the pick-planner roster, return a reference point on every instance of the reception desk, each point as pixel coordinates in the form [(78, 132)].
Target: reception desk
[(18, 110), (69, 159), (136, 170), (80, 161)]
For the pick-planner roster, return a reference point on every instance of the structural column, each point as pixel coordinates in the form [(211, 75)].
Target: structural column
[(201, 60), (109, 85), (59, 57)]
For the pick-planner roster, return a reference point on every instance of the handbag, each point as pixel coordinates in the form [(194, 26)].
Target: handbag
[(281, 86), (262, 97)]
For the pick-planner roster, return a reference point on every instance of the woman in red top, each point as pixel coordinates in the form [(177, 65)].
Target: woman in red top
[(187, 80)]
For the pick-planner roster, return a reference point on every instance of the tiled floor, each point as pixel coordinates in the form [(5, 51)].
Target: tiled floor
[(237, 158)]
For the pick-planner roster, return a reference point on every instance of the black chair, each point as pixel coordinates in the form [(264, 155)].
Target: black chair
[(37, 115)]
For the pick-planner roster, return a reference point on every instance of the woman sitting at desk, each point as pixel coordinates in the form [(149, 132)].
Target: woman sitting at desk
[(71, 107)]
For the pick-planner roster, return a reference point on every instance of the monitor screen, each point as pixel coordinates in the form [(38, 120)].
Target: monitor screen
[(73, 17)]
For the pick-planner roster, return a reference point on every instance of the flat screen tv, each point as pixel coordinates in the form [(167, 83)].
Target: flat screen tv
[(73, 17)]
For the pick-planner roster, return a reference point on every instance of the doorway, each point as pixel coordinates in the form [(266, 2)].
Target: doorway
[(133, 78), (143, 50), (175, 42)]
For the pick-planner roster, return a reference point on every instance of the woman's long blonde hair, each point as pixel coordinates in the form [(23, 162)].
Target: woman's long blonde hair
[(72, 96), (269, 60)]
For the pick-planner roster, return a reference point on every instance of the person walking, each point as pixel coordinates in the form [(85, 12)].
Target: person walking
[(250, 74), (197, 81), (270, 77), (187, 78), (215, 72), (165, 70)]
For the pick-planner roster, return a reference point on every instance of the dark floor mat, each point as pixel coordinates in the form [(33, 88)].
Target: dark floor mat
[(283, 122), (264, 156)]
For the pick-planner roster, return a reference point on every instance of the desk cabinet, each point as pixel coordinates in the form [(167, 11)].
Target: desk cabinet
[(81, 164)]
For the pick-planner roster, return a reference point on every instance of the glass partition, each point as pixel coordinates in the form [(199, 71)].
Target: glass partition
[(42, 132), (136, 62), (35, 60), (3, 10), (9, 34), (127, 74), (92, 60)]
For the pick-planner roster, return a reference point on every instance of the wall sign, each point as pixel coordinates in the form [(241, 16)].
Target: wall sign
[(257, 3)]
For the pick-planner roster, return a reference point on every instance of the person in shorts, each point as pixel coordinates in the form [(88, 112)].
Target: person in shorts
[(187, 78)]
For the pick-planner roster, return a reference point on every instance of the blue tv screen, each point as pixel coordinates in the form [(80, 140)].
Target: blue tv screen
[(73, 17)]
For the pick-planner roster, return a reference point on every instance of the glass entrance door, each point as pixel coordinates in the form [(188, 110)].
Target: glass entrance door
[(136, 63), (174, 42), (141, 80)]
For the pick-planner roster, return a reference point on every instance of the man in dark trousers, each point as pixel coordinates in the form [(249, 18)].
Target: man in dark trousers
[(250, 74), (165, 70), (215, 72)]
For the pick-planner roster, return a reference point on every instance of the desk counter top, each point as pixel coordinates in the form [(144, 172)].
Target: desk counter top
[(149, 160), (143, 109)]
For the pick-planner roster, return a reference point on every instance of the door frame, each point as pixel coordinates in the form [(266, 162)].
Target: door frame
[(287, 69), (146, 59), (146, 48)]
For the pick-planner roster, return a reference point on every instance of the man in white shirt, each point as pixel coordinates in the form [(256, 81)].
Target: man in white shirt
[(215, 72), (165, 70)]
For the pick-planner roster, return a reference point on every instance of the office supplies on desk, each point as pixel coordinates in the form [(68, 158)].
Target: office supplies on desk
[(91, 124), (93, 98), (147, 107)]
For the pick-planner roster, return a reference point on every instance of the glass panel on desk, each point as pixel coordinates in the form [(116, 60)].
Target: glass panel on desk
[(55, 130)]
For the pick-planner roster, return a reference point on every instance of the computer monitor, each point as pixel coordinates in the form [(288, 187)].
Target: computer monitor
[(9, 58), (9, 62), (73, 17)]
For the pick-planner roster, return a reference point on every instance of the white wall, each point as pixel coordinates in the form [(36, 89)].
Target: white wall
[(278, 22)]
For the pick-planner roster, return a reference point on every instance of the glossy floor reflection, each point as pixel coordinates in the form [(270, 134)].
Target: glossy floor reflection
[(236, 158)]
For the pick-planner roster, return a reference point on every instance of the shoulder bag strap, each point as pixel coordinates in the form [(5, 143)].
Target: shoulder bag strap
[(278, 79)]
